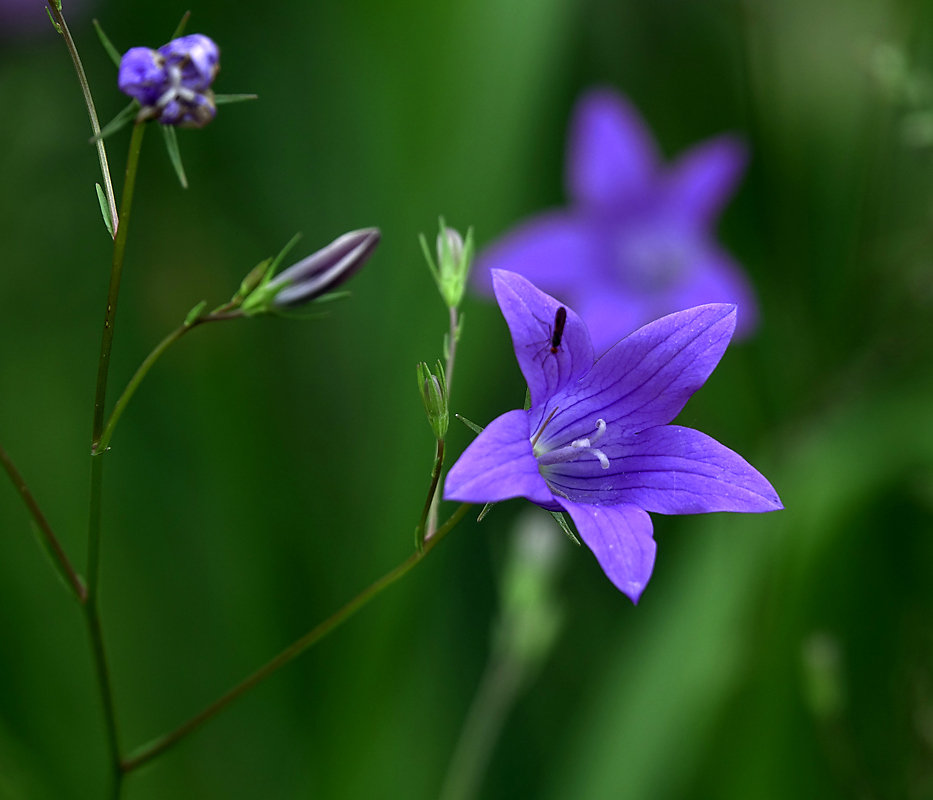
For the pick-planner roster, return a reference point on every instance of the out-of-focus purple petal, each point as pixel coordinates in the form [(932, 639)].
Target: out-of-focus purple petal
[(556, 251), (610, 315), (197, 56), (142, 75), (669, 470), (532, 319), (647, 378), (700, 182), (715, 278), (620, 538), (611, 153), (498, 465)]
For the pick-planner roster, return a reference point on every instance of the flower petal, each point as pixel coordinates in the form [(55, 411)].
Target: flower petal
[(701, 181), (669, 470), (498, 465), (532, 319), (620, 538), (715, 278), (557, 251), (611, 153), (647, 378)]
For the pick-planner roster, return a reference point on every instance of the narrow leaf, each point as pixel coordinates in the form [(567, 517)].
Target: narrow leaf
[(486, 509), (108, 45), (181, 25), (104, 209), (52, 19), (120, 121), (564, 526), (220, 99), (282, 253), (174, 154), (329, 298), (471, 425)]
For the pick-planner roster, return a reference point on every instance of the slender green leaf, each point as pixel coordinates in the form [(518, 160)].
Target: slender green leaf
[(221, 99), (486, 509), (174, 154), (104, 209), (471, 425), (120, 121), (52, 19), (181, 25), (564, 526), (282, 253), (195, 313), (108, 45)]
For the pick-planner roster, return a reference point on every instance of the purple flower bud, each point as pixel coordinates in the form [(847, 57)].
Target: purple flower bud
[(324, 270), (195, 113), (143, 75), (196, 56)]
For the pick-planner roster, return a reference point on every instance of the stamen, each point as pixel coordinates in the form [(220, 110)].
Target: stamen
[(573, 451)]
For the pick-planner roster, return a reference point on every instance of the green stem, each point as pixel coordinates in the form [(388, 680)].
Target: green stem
[(91, 112), (92, 611), (217, 316), (54, 546), (116, 271), (160, 745), (435, 479)]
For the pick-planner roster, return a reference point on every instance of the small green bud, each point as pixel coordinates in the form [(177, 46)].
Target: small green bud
[(454, 259), (433, 390), (251, 281), (195, 313)]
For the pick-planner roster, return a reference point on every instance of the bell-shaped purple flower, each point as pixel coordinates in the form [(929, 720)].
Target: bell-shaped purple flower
[(637, 241), (596, 440)]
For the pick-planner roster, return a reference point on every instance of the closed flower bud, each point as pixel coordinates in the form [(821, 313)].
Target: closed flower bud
[(315, 275), (434, 397), (454, 258)]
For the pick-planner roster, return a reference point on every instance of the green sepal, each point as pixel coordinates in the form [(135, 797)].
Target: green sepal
[(195, 313), (451, 270), (53, 560), (260, 299), (119, 122), (471, 425), (253, 278), (174, 154), (52, 19), (108, 45), (331, 297), (527, 398), (561, 520), (221, 99), (104, 209), (486, 509), (181, 25)]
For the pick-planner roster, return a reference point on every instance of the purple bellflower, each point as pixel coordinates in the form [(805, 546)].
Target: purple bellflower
[(173, 83), (596, 440), (637, 240)]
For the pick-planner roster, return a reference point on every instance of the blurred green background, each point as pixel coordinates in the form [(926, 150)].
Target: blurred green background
[(269, 470)]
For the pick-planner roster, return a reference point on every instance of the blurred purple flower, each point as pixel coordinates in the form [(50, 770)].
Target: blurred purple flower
[(595, 441), (637, 240), (173, 84)]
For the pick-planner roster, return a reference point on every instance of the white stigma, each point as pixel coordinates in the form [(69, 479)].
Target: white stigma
[(577, 448)]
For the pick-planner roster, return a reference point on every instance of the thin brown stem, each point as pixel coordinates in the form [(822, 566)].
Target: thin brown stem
[(160, 745), (71, 576), (91, 112)]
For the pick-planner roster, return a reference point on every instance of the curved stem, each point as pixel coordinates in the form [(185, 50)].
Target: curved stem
[(451, 348), (143, 370), (160, 745), (91, 112), (72, 578)]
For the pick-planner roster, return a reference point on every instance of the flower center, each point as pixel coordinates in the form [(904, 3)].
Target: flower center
[(577, 449), (649, 260)]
